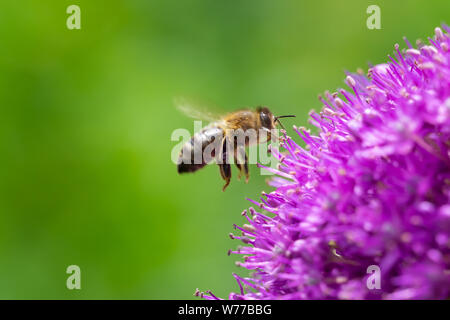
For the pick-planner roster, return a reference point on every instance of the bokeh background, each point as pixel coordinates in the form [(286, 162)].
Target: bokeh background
[(86, 117)]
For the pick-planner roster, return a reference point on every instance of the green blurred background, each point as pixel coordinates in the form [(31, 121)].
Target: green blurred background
[(87, 115)]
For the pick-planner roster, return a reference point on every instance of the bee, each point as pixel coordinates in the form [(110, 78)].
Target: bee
[(221, 132)]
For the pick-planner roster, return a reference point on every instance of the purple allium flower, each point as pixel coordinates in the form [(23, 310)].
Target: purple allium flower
[(372, 187)]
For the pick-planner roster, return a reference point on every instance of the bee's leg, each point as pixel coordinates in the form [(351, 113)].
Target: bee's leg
[(225, 168), (247, 175), (225, 171), (238, 161), (269, 135), (240, 170), (242, 162)]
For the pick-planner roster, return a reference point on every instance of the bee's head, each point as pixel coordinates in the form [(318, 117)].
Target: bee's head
[(268, 120), (266, 117)]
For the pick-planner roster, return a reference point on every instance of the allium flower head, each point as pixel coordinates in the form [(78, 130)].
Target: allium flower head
[(372, 187)]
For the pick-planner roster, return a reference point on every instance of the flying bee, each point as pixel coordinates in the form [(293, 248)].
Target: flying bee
[(221, 139)]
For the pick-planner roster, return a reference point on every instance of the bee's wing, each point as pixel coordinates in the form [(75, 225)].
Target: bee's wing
[(196, 112)]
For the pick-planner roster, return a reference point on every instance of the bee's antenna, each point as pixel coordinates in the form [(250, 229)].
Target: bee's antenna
[(279, 117), (276, 119), (288, 116)]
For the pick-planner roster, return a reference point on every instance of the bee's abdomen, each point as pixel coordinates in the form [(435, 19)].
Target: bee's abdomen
[(191, 156)]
